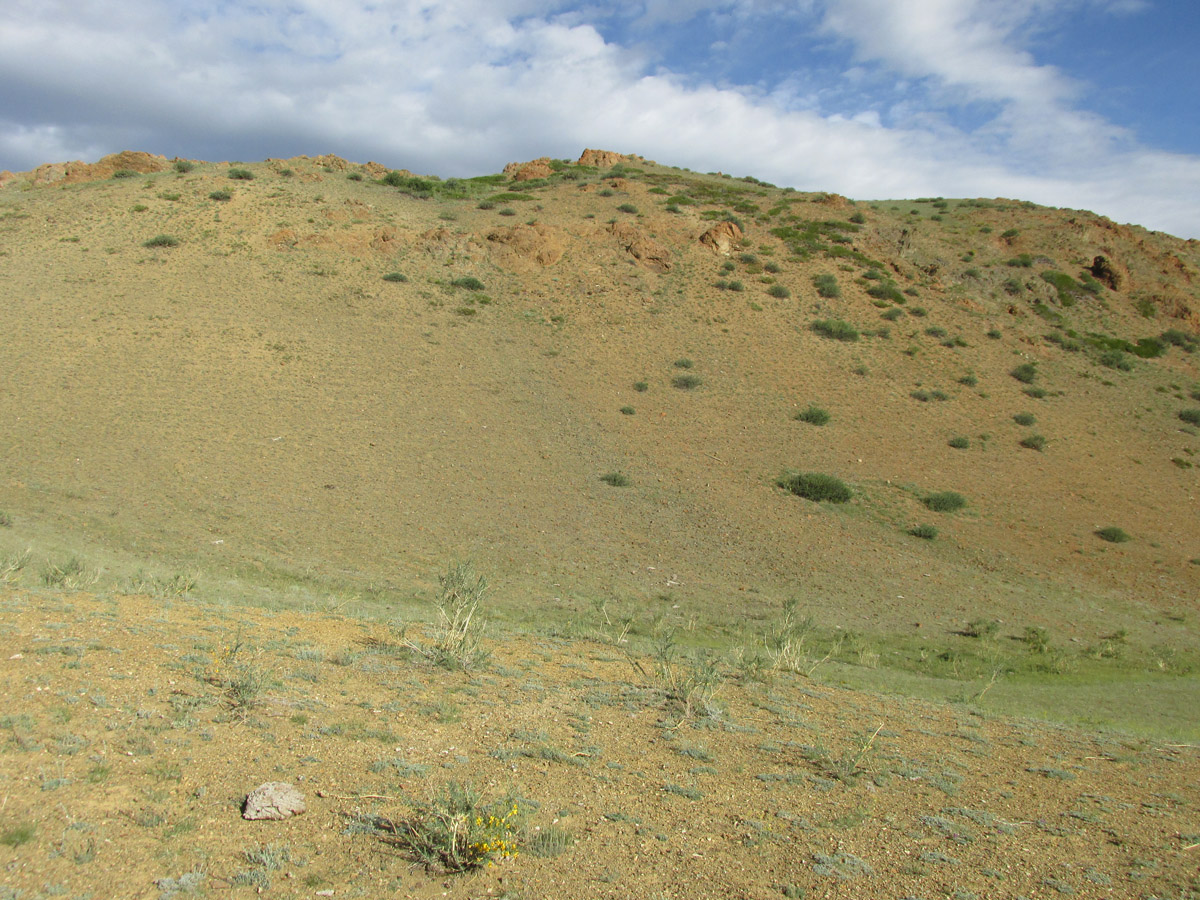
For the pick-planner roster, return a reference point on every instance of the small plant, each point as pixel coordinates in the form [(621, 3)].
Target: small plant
[(182, 166), (641, 387), (627, 208), (616, 479), (827, 286), (627, 410), (959, 442), (813, 415), (835, 329), (161, 240), (397, 277), (1037, 639), (220, 196), (982, 628), (5, 520), (683, 363), (458, 634), (1034, 442), (1113, 535), (1025, 373), (456, 830), (18, 834), (241, 174), (1025, 419), (690, 680), (925, 532), (468, 282), (946, 501), (687, 382), (779, 291), (71, 575), (816, 487), (1191, 416)]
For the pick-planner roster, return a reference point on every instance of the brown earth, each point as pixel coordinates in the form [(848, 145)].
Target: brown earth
[(329, 388)]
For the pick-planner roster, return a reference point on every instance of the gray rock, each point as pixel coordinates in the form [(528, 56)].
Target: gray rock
[(273, 800)]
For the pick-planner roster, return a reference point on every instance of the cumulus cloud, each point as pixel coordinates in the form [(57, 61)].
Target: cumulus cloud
[(464, 86)]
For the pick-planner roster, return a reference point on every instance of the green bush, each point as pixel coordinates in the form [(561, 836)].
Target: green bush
[(779, 291), (925, 532), (1025, 419), (687, 382), (816, 487), (399, 277), (945, 501), (813, 415), (893, 314), (124, 173), (1113, 535), (220, 196), (1034, 442), (1116, 359), (616, 479), (1191, 416), (683, 363), (886, 291), (241, 174), (182, 166), (981, 628), (858, 218), (468, 282), (835, 329), (827, 286), (627, 410), (1025, 373), (641, 387), (161, 240), (627, 208), (959, 442)]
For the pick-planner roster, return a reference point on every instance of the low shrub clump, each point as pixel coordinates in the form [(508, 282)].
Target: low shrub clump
[(835, 329), (1025, 373), (161, 240), (1191, 416), (813, 415), (1034, 442), (946, 501), (1113, 535), (816, 487), (925, 532)]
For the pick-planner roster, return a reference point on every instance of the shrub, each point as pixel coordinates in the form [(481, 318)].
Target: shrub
[(627, 410), (968, 380), (886, 292), (772, 267), (981, 628), (456, 830), (816, 487), (641, 387), (858, 218), (1034, 442), (627, 208), (959, 442), (684, 363), (1116, 359), (616, 479), (468, 282), (458, 634), (1036, 639), (508, 212), (241, 174), (124, 173), (925, 532), (353, 176), (220, 196), (687, 382), (946, 501), (1036, 393), (161, 240), (893, 314), (735, 286), (1010, 234), (1191, 416), (1113, 535), (813, 415), (485, 204), (1025, 373), (835, 329), (827, 286), (779, 291), (1025, 419), (398, 277), (182, 166)]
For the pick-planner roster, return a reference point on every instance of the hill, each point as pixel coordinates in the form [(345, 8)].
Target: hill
[(309, 385)]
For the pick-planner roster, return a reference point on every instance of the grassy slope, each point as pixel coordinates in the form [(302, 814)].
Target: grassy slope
[(258, 405)]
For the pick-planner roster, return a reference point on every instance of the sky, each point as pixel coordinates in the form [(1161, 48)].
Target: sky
[(1086, 104)]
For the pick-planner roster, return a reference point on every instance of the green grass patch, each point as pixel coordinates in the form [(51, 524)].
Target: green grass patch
[(816, 487), (944, 501)]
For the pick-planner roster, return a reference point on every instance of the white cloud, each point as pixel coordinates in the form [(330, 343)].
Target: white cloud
[(464, 86)]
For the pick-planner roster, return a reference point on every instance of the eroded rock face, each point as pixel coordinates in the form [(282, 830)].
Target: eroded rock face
[(273, 800), (529, 171), (601, 159), (722, 237), (535, 243), (76, 172), (645, 251)]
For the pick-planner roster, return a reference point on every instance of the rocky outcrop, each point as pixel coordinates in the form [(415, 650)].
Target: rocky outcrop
[(529, 171), (77, 172), (273, 800), (645, 252), (722, 237), (537, 243), (601, 159)]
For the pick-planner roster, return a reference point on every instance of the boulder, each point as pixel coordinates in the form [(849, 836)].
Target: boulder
[(273, 800), (722, 237), (601, 159), (529, 171), (645, 251)]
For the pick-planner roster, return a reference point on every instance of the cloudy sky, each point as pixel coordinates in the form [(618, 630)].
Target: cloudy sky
[(1078, 103)]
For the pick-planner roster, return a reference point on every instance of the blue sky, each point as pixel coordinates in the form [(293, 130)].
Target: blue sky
[(1076, 103)]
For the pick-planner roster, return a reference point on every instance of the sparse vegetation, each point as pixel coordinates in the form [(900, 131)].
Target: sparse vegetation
[(1113, 535), (162, 240), (397, 277), (816, 487), (835, 329), (238, 174), (687, 382), (827, 286), (813, 415), (1034, 442), (945, 501), (220, 196), (1025, 373), (925, 532), (959, 442), (457, 641), (616, 479)]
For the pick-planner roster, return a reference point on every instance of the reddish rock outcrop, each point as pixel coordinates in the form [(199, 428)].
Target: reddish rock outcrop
[(722, 237), (645, 251), (601, 159), (529, 171), (535, 243)]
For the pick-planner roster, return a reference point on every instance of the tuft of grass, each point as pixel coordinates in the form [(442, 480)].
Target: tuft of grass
[(816, 487), (627, 410), (468, 282), (958, 442), (1025, 419), (982, 628), (835, 329), (813, 415), (5, 520), (779, 291), (687, 382), (182, 166), (554, 840), (1025, 373), (458, 634), (71, 575), (220, 196), (397, 277), (627, 208), (945, 501), (456, 830), (18, 834), (1191, 416), (616, 479), (1034, 442), (827, 286), (1113, 535), (925, 532), (641, 387), (161, 240), (684, 363), (241, 174)]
